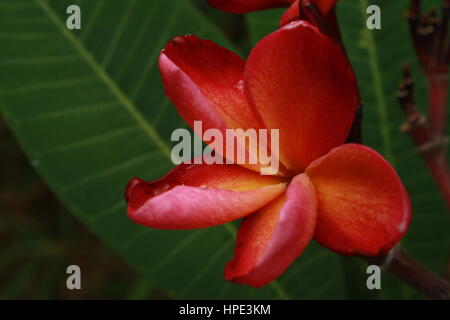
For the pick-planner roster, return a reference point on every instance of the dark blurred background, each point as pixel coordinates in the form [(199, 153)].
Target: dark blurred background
[(39, 239)]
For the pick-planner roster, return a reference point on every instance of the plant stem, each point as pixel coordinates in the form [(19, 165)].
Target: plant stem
[(437, 86), (429, 139), (438, 164), (439, 169), (399, 263)]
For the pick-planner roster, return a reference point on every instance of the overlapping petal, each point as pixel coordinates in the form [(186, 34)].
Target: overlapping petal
[(363, 207), (325, 5), (198, 196), (204, 81), (301, 83), (268, 241), (245, 6), (293, 13)]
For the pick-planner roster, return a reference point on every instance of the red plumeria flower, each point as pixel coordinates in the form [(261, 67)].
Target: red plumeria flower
[(345, 196), (246, 6)]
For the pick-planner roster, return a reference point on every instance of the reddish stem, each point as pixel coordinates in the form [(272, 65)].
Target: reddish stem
[(429, 34), (430, 144), (415, 275), (438, 85), (439, 169)]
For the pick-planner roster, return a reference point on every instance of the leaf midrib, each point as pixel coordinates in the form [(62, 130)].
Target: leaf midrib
[(372, 50), (112, 86)]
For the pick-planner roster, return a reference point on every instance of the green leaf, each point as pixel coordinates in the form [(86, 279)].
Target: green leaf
[(89, 109), (261, 23)]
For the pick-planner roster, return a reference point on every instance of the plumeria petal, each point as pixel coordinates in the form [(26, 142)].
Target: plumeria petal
[(245, 6), (325, 5), (301, 83), (363, 207), (269, 240), (198, 196), (204, 81), (291, 14)]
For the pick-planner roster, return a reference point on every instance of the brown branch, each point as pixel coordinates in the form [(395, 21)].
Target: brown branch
[(399, 263), (438, 86), (430, 146), (429, 35)]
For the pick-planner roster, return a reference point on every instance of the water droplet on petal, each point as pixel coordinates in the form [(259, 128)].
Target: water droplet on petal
[(240, 85)]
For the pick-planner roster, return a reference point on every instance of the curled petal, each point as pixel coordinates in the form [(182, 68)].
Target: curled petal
[(301, 83), (245, 6), (363, 207), (325, 5), (291, 14), (269, 240), (199, 196)]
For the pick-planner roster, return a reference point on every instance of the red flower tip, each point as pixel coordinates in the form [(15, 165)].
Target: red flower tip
[(245, 6), (292, 14), (130, 187), (184, 40), (139, 191)]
